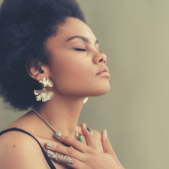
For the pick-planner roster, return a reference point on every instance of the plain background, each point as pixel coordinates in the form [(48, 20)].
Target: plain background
[(135, 36)]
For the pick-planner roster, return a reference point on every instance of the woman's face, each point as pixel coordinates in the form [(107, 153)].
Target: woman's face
[(75, 60)]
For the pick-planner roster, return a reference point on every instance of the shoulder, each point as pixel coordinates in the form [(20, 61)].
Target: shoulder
[(19, 150)]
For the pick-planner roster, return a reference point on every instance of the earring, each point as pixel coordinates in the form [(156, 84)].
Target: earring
[(46, 82), (44, 94), (85, 100)]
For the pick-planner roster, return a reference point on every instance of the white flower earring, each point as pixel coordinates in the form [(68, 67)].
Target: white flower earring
[(44, 94)]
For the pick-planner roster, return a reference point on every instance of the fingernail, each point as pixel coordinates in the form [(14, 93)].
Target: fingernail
[(91, 133), (100, 146), (58, 134), (49, 152), (84, 124), (49, 145), (80, 138), (105, 131)]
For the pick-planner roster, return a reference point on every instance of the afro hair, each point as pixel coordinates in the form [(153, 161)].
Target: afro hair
[(25, 26)]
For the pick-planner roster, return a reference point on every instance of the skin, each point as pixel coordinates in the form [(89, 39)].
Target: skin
[(73, 65), (87, 156)]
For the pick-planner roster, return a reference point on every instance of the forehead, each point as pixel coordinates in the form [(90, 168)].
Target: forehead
[(74, 27)]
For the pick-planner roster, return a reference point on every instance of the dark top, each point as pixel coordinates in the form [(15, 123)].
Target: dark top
[(43, 151)]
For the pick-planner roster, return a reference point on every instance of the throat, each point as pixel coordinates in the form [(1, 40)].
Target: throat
[(77, 131)]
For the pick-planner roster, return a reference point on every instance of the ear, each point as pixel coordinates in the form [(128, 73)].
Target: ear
[(37, 71)]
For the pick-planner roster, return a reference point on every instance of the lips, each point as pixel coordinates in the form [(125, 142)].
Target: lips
[(104, 71)]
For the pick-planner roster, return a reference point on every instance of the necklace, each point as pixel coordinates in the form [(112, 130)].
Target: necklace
[(76, 134)]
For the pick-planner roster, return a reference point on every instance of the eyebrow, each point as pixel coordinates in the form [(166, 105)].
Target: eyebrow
[(81, 37)]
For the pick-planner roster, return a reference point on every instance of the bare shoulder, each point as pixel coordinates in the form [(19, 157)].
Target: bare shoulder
[(19, 150)]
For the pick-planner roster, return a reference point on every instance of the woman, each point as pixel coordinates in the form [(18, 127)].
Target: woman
[(50, 61)]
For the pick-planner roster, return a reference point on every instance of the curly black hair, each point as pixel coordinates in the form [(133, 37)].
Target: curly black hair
[(25, 26)]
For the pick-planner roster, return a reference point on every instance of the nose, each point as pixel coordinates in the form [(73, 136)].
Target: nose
[(100, 58)]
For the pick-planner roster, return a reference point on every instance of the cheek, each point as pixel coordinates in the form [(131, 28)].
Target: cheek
[(70, 76), (76, 76)]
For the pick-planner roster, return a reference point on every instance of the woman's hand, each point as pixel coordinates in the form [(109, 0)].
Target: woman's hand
[(87, 156)]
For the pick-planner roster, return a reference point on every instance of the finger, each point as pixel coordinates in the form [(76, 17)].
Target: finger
[(76, 163), (70, 151), (88, 136), (72, 142), (82, 139), (107, 148)]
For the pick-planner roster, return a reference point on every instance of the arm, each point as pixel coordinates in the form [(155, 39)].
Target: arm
[(18, 151)]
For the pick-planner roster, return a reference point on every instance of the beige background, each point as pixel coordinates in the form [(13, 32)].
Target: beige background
[(135, 37)]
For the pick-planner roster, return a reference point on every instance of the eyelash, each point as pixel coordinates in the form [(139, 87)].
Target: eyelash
[(79, 49)]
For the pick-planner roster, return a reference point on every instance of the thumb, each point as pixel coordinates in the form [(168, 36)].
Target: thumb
[(107, 148)]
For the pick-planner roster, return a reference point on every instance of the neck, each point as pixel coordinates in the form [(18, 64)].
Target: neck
[(62, 113)]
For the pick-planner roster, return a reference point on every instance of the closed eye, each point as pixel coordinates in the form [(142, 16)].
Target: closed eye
[(80, 49)]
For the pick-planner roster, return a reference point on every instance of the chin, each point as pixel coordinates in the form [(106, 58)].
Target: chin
[(101, 90), (105, 91)]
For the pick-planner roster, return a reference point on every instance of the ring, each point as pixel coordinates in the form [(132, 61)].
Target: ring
[(62, 159)]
